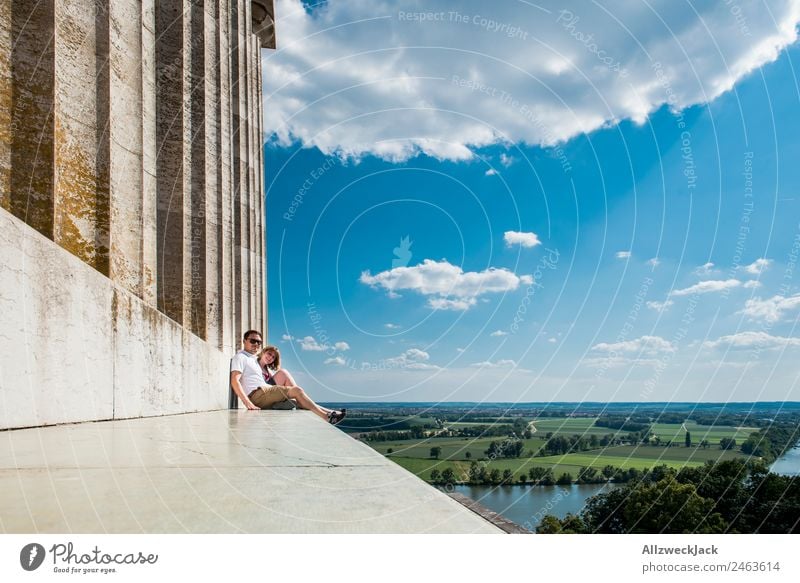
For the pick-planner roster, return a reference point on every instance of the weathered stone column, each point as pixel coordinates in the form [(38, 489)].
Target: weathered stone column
[(170, 48), (27, 131)]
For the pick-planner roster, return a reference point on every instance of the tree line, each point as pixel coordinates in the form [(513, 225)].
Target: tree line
[(727, 497)]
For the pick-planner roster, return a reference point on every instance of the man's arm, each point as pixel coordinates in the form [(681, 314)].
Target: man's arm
[(237, 388)]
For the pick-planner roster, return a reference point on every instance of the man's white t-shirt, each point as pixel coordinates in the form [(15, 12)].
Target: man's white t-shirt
[(247, 364)]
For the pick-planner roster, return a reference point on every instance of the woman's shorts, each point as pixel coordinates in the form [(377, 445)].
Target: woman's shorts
[(266, 397)]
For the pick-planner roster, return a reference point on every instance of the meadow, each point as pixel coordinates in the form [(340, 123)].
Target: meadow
[(459, 452)]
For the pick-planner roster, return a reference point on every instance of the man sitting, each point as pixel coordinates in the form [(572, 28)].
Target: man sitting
[(248, 383)]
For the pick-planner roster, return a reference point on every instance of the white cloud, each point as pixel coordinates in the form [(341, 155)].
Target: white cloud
[(521, 238), (654, 262), (771, 309), (413, 358), (705, 270), (287, 338), (451, 287), (506, 160), (309, 343), (503, 363), (552, 340), (491, 172), (647, 345), (391, 326), (623, 254), (452, 305), (356, 78), (752, 284), (745, 340), (336, 361), (705, 287), (460, 350), (660, 306), (757, 266), (499, 333)]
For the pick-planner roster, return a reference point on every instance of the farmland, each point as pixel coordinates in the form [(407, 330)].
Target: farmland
[(590, 446)]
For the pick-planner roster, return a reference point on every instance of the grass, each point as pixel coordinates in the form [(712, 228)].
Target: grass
[(414, 455), (452, 447), (713, 433)]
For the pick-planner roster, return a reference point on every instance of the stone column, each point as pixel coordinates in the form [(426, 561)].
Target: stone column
[(27, 127), (170, 169), (126, 75)]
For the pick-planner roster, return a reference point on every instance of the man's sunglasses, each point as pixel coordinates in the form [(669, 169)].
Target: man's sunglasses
[(256, 342)]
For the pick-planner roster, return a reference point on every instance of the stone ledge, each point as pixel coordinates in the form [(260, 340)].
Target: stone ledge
[(214, 472)]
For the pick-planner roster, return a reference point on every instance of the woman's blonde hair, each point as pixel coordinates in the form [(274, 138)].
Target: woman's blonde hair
[(276, 364)]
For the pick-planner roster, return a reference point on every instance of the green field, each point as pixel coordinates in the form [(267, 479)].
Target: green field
[(713, 433), (452, 447), (414, 455)]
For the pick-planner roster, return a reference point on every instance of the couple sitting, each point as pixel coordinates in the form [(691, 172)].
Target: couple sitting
[(258, 387)]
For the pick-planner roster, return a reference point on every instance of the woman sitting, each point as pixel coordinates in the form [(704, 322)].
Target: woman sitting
[(269, 358)]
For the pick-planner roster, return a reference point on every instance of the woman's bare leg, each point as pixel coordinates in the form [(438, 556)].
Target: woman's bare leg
[(305, 401), (285, 379)]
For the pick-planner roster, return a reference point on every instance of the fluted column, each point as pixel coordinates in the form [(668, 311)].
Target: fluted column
[(126, 30), (28, 128)]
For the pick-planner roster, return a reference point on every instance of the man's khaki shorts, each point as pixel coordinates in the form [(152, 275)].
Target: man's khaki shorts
[(266, 397)]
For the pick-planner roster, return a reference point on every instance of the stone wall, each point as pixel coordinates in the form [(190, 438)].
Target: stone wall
[(132, 197)]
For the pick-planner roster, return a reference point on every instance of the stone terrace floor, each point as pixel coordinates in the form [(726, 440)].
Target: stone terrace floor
[(214, 472)]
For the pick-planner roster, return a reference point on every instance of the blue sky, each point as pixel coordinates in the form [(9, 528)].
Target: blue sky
[(534, 204)]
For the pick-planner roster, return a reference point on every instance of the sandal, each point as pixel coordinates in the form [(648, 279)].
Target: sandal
[(335, 417)]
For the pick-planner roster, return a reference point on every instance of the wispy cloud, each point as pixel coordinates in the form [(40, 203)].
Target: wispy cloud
[(659, 306), (310, 344), (499, 333), (744, 340), (623, 254), (705, 270), (647, 345), (707, 287)]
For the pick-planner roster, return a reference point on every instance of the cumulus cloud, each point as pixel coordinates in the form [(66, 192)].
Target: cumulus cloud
[(646, 345), (623, 254), (744, 340), (358, 78), (706, 287), (335, 361), (757, 266), (771, 309), (521, 238), (450, 287), (491, 172)]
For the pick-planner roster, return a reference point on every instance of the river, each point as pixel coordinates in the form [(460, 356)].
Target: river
[(526, 505), (789, 463)]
